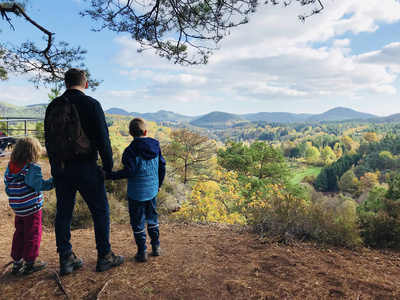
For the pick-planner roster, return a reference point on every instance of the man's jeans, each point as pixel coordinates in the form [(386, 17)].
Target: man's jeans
[(85, 178), (142, 212)]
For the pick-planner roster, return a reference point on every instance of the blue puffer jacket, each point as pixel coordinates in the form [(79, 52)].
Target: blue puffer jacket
[(144, 166)]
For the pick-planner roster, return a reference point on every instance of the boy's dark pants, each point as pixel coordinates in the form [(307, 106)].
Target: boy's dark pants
[(142, 212)]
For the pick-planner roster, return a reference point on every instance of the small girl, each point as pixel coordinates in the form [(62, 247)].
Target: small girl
[(24, 182)]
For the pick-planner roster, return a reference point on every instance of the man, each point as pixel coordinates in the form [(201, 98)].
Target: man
[(82, 174)]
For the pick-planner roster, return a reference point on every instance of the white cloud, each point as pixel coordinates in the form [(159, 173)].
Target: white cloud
[(275, 57), (19, 95), (389, 55)]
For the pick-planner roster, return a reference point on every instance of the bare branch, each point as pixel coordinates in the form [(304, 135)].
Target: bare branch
[(48, 64)]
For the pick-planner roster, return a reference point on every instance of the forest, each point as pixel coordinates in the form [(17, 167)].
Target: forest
[(332, 183)]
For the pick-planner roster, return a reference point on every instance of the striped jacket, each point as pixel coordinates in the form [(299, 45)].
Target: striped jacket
[(24, 188)]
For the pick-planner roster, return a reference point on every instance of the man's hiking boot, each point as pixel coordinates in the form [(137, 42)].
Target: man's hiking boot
[(18, 267), (108, 261), (34, 266), (69, 264), (141, 256), (156, 250)]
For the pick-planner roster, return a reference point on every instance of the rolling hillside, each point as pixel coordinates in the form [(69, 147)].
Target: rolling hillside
[(14, 111), (160, 116), (218, 119), (339, 114)]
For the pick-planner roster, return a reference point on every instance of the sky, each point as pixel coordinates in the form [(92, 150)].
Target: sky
[(346, 56)]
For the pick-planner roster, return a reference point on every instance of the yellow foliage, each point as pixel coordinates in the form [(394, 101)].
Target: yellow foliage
[(212, 201)]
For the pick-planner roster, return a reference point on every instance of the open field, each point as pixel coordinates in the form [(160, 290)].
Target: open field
[(307, 171)]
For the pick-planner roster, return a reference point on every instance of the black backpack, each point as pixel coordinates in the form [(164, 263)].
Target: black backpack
[(65, 138)]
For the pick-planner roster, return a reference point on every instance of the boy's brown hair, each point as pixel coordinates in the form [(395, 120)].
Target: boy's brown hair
[(27, 149), (137, 127), (75, 77)]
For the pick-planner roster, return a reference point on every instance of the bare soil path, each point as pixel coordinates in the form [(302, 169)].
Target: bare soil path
[(202, 261)]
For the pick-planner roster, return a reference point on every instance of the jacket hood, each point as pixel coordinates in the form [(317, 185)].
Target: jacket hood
[(146, 147)]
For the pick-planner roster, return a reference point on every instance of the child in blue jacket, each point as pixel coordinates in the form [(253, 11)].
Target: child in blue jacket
[(144, 166)]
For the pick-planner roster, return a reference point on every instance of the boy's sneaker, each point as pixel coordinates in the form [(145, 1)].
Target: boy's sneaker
[(141, 256), (70, 264), (108, 261), (18, 267), (34, 266), (156, 250)]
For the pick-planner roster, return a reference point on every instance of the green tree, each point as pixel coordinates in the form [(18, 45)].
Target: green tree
[(327, 179), (190, 154), (54, 92), (3, 72), (260, 160), (346, 184)]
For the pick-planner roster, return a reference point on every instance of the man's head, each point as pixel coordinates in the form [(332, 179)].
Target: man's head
[(138, 127), (75, 78)]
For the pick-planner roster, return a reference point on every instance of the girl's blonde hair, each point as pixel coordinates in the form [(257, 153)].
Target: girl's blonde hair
[(27, 149)]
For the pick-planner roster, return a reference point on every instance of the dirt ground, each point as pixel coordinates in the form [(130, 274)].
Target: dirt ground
[(202, 261)]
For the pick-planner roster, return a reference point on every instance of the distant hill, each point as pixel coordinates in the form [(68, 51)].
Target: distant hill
[(118, 111), (218, 119), (277, 117), (166, 116), (160, 116), (388, 119), (339, 114), (31, 111)]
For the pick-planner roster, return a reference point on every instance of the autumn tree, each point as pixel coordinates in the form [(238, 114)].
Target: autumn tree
[(312, 155), (190, 154), (370, 137), (328, 155), (173, 28)]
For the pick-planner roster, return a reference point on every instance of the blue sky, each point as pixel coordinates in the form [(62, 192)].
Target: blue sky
[(349, 56)]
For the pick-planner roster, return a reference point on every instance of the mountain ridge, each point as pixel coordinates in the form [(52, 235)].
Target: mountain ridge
[(224, 119), (216, 119)]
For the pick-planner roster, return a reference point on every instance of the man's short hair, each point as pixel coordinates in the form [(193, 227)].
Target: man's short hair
[(137, 127), (75, 77)]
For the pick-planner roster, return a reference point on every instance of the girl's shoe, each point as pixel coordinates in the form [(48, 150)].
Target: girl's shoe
[(18, 267), (34, 266)]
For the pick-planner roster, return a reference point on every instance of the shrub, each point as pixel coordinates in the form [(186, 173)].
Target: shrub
[(282, 215), (82, 217), (379, 220), (321, 219), (173, 193), (333, 225)]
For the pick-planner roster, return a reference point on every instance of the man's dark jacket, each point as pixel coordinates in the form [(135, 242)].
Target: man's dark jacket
[(93, 123)]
